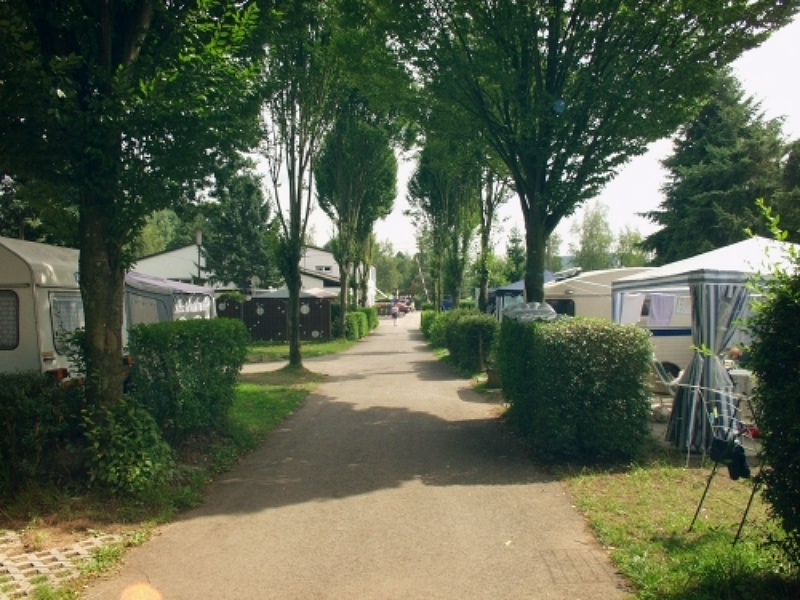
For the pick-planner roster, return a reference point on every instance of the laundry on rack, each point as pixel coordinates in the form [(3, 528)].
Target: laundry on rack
[(661, 308)]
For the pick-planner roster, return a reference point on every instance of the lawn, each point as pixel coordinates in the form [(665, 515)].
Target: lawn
[(641, 513), (279, 351)]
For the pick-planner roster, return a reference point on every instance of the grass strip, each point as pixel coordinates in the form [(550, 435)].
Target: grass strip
[(642, 513), (279, 351)]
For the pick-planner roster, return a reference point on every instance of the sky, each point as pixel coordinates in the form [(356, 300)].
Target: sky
[(766, 74)]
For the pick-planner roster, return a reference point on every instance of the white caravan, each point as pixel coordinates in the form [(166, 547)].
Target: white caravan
[(586, 294), (40, 302), (589, 294)]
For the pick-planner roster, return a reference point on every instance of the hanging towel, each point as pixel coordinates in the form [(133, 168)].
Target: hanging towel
[(631, 308), (661, 307)]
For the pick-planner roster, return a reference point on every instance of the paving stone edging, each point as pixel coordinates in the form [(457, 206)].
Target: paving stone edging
[(21, 573)]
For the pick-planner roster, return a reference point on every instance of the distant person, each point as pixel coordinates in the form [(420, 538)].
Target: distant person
[(395, 311)]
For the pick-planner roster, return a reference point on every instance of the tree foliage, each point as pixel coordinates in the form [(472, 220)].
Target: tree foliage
[(240, 239), (628, 249), (356, 179), (592, 249), (442, 194), (123, 107), (723, 160), (302, 79), (515, 256), (566, 92)]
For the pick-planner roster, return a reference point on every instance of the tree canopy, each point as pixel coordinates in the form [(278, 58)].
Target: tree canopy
[(723, 160), (123, 108), (356, 179), (566, 92)]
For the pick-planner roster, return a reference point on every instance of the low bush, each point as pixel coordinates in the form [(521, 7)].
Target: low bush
[(372, 316), (467, 304), (577, 388), (426, 319), (356, 324), (40, 435), (470, 340), (184, 372), (444, 324), (126, 454)]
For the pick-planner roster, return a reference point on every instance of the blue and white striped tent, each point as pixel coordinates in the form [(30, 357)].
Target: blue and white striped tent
[(716, 281)]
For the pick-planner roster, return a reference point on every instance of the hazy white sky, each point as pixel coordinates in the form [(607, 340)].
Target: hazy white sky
[(766, 74)]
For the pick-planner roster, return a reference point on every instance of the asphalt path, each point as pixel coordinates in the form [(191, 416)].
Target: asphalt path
[(394, 480)]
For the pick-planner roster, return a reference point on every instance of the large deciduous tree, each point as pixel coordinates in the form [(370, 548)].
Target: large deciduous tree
[(356, 179), (723, 160), (566, 92), (302, 80), (123, 106), (442, 194)]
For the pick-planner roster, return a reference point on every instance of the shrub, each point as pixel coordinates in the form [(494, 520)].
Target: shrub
[(356, 325), (372, 316), (426, 319), (775, 361), (470, 340), (467, 304), (443, 326), (184, 372), (41, 437), (126, 454), (577, 388)]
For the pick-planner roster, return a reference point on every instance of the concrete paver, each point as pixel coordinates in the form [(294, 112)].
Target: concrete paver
[(394, 480)]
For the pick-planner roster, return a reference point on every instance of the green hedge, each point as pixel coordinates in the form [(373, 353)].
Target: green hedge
[(775, 361), (372, 316), (471, 341), (577, 388), (426, 319), (40, 435), (184, 372), (444, 325), (356, 324)]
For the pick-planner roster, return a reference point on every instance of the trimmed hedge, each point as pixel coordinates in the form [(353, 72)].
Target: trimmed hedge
[(426, 319), (471, 341), (372, 316), (356, 323), (444, 325), (577, 388), (184, 372)]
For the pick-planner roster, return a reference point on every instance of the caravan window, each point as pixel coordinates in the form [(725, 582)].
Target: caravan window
[(66, 313), (563, 306), (9, 320)]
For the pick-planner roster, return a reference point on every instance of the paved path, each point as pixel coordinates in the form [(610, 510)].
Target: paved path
[(393, 481)]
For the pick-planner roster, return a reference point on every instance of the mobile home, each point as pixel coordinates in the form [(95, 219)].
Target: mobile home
[(589, 294), (40, 302), (585, 294)]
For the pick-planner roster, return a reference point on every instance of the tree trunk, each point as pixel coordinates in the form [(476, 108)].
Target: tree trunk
[(344, 283), (535, 242), (102, 282), (294, 284), (483, 268)]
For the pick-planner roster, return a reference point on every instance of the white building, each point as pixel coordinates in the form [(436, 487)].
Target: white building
[(318, 268)]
